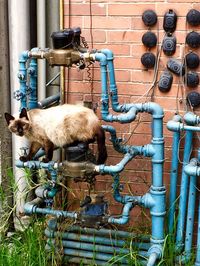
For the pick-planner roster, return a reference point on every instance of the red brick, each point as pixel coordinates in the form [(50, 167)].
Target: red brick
[(84, 9), (73, 21), (128, 9), (117, 49), (108, 22), (162, 8), (126, 36), (99, 36)]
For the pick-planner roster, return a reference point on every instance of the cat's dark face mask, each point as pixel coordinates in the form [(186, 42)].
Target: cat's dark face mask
[(18, 126)]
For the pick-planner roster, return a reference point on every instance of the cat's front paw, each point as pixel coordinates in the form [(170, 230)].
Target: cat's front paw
[(45, 160), (23, 158)]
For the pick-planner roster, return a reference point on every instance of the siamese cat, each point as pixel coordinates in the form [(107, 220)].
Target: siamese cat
[(56, 127)]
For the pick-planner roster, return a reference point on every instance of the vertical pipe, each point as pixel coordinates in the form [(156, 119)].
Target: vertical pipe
[(197, 262), (62, 70), (173, 180), (5, 136), (190, 216), (52, 20), (32, 71), (41, 43), (183, 191), (19, 40)]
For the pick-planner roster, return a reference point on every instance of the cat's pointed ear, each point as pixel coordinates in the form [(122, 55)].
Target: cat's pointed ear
[(23, 113), (8, 118)]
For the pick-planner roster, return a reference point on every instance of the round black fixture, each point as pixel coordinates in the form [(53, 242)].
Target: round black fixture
[(62, 39), (193, 17), (77, 33), (176, 67), (193, 39), (149, 39), (193, 98), (169, 22), (192, 60), (165, 81), (148, 60), (149, 17), (169, 44), (192, 79)]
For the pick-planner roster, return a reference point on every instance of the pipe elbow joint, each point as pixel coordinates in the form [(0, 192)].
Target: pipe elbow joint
[(192, 170), (191, 119), (24, 56), (30, 208), (174, 126), (155, 109), (100, 57), (155, 253), (108, 53)]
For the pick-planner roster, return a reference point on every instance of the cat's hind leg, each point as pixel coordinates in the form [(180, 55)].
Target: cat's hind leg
[(48, 147)]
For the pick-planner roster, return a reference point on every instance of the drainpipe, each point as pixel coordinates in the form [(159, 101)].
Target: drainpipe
[(19, 40), (197, 262), (52, 20), (190, 213), (173, 176), (41, 43), (177, 126), (183, 191), (5, 136)]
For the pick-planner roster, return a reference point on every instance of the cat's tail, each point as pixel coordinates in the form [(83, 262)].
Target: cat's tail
[(102, 151)]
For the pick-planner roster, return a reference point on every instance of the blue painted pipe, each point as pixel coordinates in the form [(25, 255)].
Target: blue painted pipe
[(95, 239), (103, 169), (91, 247), (32, 207), (173, 177), (125, 215), (197, 262), (32, 71), (190, 215), (53, 225), (183, 191), (191, 119), (22, 75), (177, 126), (85, 261), (91, 254)]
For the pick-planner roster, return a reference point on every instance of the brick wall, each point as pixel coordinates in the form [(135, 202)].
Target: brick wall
[(117, 25)]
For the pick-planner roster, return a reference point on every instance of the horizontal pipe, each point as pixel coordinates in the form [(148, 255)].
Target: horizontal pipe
[(49, 100), (90, 247), (110, 258), (95, 239), (52, 224), (191, 119), (103, 169), (91, 254), (32, 207), (177, 126), (36, 165), (83, 260)]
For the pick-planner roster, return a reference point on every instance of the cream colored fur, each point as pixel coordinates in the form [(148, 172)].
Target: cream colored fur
[(62, 124)]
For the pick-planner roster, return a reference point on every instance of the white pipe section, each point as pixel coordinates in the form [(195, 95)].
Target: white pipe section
[(41, 43), (19, 41)]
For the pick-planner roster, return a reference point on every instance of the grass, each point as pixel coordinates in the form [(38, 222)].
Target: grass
[(27, 248), (24, 248)]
